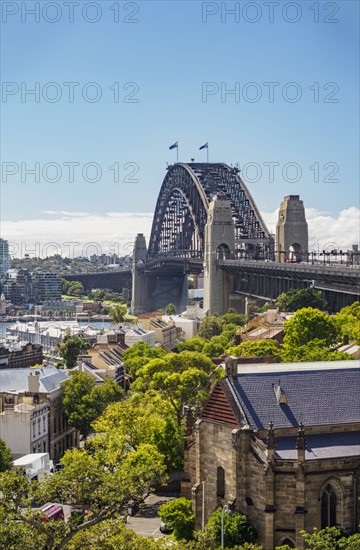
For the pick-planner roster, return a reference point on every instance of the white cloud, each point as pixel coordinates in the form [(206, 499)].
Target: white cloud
[(115, 231), (325, 230)]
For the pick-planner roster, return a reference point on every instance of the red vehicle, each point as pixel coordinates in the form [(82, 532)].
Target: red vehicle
[(52, 512)]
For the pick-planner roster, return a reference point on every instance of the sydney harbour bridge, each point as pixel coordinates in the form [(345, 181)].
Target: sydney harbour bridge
[(206, 220)]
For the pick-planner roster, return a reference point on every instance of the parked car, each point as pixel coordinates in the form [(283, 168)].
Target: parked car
[(165, 529)]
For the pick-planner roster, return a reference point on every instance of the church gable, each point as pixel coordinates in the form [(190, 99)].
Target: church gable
[(219, 407)]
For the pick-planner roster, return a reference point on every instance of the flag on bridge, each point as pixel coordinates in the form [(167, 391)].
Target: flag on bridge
[(205, 146), (174, 145)]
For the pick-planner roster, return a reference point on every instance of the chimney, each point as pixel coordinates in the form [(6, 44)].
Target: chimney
[(231, 367), (34, 382), (301, 443), (271, 314)]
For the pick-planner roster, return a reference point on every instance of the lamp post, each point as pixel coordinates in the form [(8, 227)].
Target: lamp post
[(225, 509), (203, 507)]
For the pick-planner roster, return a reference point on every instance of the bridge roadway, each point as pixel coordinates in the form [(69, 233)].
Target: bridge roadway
[(341, 284), (263, 279)]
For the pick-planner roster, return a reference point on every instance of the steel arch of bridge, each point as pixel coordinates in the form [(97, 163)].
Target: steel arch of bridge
[(181, 212)]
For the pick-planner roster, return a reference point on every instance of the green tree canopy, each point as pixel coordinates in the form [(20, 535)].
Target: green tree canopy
[(192, 344), (210, 326), (6, 460), (309, 324), (257, 348), (182, 378), (348, 322), (234, 318), (84, 402), (178, 515), (95, 481), (139, 355), (70, 347), (237, 529), (330, 538), (315, 350), (300, 298), (144, 419), (170, 309), (117, 312)]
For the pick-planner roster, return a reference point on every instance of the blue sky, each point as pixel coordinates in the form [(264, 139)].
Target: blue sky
[(169, 55)]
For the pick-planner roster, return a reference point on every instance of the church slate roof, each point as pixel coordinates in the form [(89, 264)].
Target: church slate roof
[(320, 446), (313, 397)]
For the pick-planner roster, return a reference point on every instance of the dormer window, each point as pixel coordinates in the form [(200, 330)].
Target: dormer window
[(279, 394)]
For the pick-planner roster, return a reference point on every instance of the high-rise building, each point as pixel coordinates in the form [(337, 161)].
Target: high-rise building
[(47, 287), (4, 256)]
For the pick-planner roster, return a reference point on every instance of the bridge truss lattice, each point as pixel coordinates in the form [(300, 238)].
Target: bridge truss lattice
[(181, 212)]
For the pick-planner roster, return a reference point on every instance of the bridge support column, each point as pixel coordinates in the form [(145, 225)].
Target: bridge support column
[(219, 245), (292, 242), (139, 287)]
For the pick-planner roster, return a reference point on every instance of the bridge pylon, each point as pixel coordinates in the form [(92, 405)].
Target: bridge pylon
[(139, 287), (292, 241), (219, 245)]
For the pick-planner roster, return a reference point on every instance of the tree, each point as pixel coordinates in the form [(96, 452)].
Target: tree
[(144, 419), (6, 461), (237, 529), (76, 289), (170, 309), (102, 483), (315, 350), (117, 313), (330, 538), (309, 324), (210, 326), (348, 322), (182, 378), (257, 348), (70, 347), (139, 355), (113, 534), (178, 516), (192, 344), (300, 298), (216, 346), (84, 402), (233, 318)]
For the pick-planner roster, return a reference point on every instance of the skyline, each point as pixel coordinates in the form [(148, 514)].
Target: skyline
[(270, 91)]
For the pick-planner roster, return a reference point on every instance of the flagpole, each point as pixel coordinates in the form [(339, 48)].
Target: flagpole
[(207, 153), (177, 153)]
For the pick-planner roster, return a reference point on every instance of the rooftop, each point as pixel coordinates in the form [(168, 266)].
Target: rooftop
[(287, 394)]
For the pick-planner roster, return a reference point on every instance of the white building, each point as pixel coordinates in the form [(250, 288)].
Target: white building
[(137, 334), (188, 326), (25, 427)]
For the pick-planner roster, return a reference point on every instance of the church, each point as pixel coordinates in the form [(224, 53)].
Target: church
[(279, 443)]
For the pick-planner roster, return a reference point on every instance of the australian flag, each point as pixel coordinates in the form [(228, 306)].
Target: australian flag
[(205, 146), (174, 145)]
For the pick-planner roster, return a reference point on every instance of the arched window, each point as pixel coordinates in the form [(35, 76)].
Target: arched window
[(328, 507), (220, 482), (288, 542)]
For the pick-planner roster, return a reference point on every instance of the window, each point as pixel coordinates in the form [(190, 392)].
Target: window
[(34, 425), (288, 542), (220, 482), (328, 507)]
